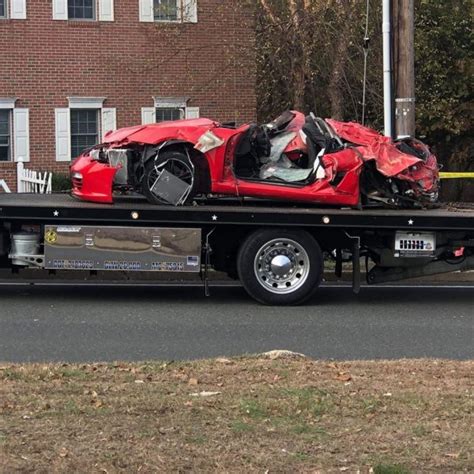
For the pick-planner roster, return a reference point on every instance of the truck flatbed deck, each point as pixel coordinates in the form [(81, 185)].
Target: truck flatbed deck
[(53, 208), (276, 249)]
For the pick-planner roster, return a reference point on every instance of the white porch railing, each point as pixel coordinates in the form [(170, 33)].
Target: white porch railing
[(29, 181), (4, 186)]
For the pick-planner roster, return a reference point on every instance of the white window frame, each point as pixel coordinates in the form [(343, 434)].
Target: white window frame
[(7, 102), (107, 122), (177, 103), (86, 102), (98, 117), (187, 12), (19, 123), (95, 12), (178, 13), (10, 135), (103, 11), (6, 16), (187, 112)]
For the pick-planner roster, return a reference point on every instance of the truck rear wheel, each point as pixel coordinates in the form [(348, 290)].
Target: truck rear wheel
[(280, 267)]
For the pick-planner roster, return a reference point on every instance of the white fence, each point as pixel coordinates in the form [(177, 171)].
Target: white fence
[(29, 181), (4, 186)]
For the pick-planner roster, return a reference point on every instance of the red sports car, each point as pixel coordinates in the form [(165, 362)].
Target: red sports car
[(294, 158)]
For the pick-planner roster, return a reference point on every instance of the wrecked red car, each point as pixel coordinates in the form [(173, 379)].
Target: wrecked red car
[(294, 158)]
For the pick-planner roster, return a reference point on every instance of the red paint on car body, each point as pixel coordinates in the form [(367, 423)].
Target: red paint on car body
[(340, 184)]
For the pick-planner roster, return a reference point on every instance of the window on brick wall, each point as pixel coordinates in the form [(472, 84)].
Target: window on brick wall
[(164, 114), (184, 11), (165, 10), (5, 135), (81, 9), (82, 125), (84, 130), (102, 10), (3, 8), (168, 108), (14, 131)]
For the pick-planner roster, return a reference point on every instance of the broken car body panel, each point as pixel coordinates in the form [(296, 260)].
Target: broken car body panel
[(156, 133), (294, 158), (373, 146)]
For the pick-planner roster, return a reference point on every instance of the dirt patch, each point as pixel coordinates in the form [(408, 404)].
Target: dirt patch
[(238, 415)]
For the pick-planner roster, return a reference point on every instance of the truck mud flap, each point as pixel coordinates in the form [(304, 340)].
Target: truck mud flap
[(355, 262)]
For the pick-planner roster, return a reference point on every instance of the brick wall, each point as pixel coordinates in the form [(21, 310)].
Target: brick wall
[(43, 61), (8, 173)]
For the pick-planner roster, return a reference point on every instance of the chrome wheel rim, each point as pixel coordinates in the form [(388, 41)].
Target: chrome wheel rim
[(282, 266)]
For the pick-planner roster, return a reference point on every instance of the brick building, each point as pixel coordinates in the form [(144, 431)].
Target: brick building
[(70, 70)]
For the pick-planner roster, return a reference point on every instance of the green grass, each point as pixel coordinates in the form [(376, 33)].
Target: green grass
[(75, 373), (301, 456), (310, 400), (390, 469), (309, 430), (371, 405), (253, 409), (196, 439), (16, 375), (95, 418), (420, 431), (241, 427)]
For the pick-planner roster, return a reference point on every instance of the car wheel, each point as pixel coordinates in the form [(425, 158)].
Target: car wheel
[(280, 267), (161, 191)]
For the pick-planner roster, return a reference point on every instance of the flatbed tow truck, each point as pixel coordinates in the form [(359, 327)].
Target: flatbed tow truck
[(275, 249)]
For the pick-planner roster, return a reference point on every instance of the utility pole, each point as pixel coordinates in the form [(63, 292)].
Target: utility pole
[(403, 22), (387, 68)]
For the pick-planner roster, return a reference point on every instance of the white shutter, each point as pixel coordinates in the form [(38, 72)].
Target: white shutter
[(59, 9), (192, 112), (108, 120), (189, 11), (148, 115), (18, 9), (21, 135), (146, 10), (106, 10), (63, 135)]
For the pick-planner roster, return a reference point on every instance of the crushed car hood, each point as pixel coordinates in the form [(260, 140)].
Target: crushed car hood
[(189, 130)]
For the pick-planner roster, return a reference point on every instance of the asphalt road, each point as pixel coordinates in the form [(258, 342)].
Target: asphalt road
[(125, 323)]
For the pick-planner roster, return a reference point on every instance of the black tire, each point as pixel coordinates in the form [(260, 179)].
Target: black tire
[(163, 158), (295, 261)]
